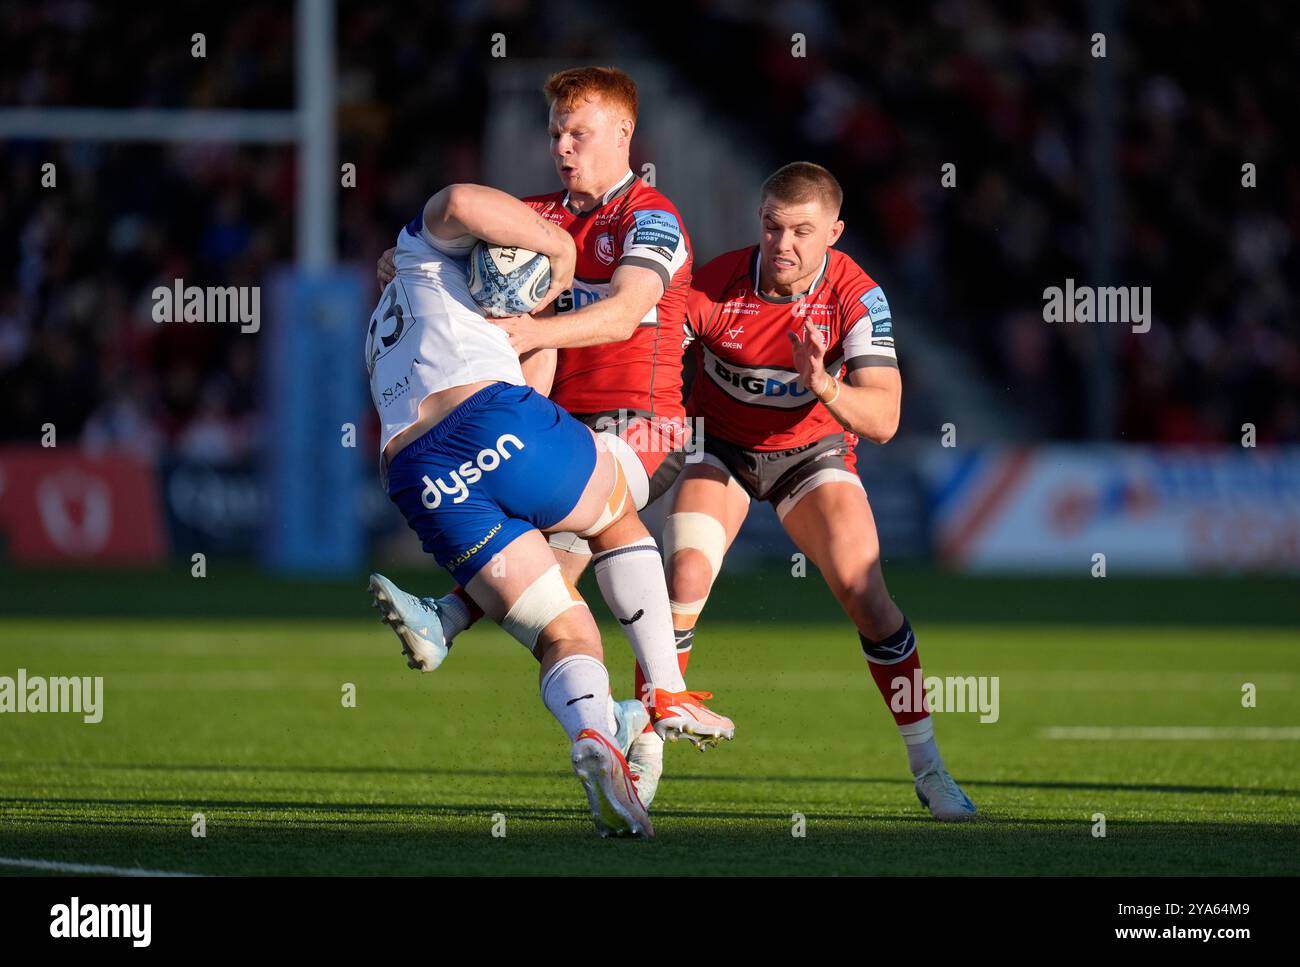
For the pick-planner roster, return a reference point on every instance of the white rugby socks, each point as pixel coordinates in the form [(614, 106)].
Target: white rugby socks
[(922, 750), (576, 691), (454, 615), (631, 580)]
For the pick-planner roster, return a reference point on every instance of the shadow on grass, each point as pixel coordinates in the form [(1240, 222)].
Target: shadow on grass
[(238, 591), (1123, 787), (457, 839)]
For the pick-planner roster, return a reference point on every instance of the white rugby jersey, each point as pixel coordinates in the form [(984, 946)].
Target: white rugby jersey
[(427, 334)]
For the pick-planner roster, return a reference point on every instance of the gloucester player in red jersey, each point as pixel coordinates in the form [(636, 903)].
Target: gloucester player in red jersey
[(619, 335), (796, 362)]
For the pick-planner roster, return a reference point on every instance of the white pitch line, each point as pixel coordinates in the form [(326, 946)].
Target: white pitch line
[(59, 867), (1172, 732)]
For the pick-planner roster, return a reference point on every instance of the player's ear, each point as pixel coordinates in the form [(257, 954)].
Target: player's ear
[(625, 129), (836, 231)]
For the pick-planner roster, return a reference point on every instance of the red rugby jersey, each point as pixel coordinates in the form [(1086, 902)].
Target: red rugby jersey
[(634, 225), (746, 387)]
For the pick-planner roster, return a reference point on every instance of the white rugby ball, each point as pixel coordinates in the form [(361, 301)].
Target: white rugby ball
[(506, 280)]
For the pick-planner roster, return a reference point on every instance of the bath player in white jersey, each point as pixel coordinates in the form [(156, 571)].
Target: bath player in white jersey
[(482, 466)]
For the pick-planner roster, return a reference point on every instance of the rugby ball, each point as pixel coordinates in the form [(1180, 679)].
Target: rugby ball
[(505, 280)]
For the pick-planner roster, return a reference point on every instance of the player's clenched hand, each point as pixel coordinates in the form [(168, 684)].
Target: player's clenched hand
[(386, 268), (810, 356), (525, 332), (563, 266)]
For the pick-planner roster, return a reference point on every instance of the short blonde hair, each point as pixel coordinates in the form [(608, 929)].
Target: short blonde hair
[(802, 181)]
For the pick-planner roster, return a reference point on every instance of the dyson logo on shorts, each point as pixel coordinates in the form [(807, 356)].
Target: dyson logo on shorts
[(488, 459)]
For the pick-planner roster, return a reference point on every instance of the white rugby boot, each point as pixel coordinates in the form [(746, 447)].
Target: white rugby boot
[(939, 791), (678, 715), (645, 760), (611, 793), (631, 718), (414, 620)]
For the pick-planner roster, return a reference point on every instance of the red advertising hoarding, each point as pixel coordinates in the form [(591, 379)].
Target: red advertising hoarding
[(66, 507)]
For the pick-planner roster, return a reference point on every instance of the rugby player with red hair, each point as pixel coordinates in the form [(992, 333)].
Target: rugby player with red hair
[(611, 355)]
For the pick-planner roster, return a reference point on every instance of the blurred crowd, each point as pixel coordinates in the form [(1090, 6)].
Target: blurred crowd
[(78, 345), (884, 97), (889, 93)]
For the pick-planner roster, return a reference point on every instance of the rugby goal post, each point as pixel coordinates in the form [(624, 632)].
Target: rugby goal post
[(311, 469)]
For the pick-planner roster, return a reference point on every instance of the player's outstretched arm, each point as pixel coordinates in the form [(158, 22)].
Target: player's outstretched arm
[(868, 405), (633, 292)]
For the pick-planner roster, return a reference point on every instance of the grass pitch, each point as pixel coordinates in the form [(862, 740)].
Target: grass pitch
[(223, 696)]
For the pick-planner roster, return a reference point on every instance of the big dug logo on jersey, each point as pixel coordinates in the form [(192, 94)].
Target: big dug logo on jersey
[(760, 385), (584, 294), (580, 296)]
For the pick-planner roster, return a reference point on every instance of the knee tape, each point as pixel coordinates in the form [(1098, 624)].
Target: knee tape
[(638, 483), (700, 532), (570, 543), (541, 603), (613, 509)]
